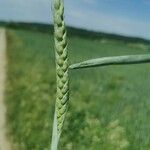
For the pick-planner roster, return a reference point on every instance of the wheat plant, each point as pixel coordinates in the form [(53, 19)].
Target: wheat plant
[(62, 67)]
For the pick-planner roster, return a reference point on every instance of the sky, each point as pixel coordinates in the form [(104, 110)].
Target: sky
[(126, 17)]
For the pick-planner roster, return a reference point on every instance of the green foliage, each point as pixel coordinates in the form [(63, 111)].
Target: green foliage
[(108, 107), (29, 95)]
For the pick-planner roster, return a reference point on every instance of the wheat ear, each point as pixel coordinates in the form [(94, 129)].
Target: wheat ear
[(61, 54)]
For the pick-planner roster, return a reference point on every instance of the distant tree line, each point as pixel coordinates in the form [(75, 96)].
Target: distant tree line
[(72, 31)]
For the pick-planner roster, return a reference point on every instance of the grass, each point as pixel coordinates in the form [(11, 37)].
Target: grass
[(109, 106)]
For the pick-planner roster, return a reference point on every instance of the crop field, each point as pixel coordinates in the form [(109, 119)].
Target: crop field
[(109, 106)]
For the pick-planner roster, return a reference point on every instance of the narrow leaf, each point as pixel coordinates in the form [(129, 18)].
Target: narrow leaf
[(115, 60)]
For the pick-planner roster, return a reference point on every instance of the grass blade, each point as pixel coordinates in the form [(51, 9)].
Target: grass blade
[(115, 60)]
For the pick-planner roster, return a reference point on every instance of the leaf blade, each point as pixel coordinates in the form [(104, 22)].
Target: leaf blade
[(115, 60)]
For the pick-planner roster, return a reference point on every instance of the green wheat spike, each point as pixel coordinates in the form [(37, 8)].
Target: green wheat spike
[(61, 56)]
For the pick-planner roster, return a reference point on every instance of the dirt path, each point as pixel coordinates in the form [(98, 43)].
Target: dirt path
[(4, 144)]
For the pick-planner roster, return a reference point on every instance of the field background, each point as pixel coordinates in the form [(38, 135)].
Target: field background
[(109, 106)]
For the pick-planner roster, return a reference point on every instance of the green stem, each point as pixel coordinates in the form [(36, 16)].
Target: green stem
[(55, 137)]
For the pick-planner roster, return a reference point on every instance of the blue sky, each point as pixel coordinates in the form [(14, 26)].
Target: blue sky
[(127, 17)]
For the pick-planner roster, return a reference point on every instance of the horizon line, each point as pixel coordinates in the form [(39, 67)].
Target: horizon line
[(80, 28)]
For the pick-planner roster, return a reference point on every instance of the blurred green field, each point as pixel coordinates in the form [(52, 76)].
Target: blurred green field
[(109, 106)]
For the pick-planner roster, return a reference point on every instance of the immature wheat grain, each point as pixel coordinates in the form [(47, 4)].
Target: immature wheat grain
[(61, 54)]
